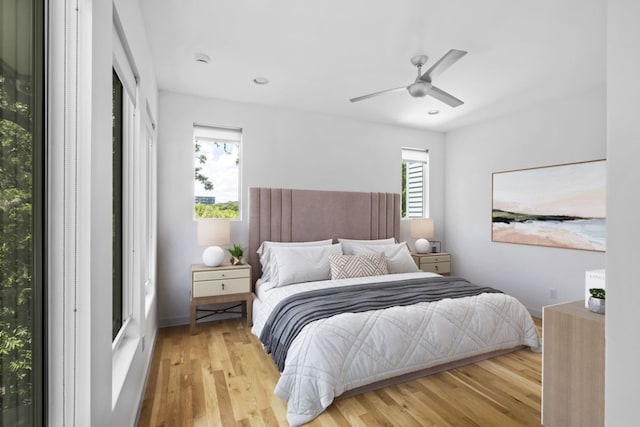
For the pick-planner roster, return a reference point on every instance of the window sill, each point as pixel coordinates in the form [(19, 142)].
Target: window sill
[(123, 352)]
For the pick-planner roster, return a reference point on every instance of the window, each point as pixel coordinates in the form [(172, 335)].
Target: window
[(21, 212), (117, 205), (415, 179), (126, 196), (217, 172)]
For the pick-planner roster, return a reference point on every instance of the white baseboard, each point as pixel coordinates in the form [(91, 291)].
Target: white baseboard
[(535, 312), (173, 321)]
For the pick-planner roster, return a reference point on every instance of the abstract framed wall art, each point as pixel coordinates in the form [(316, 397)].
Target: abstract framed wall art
[(561, 206)]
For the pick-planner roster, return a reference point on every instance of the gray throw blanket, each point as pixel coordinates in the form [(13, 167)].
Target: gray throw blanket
[(293, 313)]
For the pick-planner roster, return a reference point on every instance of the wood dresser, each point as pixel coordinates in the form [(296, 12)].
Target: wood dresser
[(572, 366)]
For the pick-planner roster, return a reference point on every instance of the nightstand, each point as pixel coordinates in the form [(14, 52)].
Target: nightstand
[(216, 285), (434, 262)]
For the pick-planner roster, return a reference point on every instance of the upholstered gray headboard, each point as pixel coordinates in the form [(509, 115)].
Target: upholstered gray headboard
[(287, 215)]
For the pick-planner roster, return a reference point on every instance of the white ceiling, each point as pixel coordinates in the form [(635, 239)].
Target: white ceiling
[(318, 54)]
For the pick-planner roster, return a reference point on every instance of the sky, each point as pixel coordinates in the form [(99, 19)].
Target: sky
[(222, 172), (577, 189)]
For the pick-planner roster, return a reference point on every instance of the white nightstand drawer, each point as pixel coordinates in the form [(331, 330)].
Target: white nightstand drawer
[(207, 288), (222, 274), (435, 259), (439, 262), (436, 267)]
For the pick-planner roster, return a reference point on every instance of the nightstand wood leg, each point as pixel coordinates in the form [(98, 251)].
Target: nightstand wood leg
[(249, 302)]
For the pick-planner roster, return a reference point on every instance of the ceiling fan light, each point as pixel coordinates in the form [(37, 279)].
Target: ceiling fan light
[(419, 89)]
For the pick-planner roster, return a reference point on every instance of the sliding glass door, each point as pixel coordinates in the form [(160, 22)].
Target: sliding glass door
[(21, 212)]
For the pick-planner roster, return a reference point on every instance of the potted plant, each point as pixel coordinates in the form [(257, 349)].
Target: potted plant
[(236, 254), (596, 300)]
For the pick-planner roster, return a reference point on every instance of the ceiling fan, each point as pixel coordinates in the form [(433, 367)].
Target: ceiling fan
[(423, 84)]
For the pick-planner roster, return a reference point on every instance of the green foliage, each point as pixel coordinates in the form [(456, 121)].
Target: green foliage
[(15, 252), (202, 159), (218, 210), (236, 251), (597, 293)]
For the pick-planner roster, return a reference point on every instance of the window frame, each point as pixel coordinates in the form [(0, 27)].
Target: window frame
[(118, 274), (40, 213), (140, 216), (150, 204), (125, 71), (124, 247)]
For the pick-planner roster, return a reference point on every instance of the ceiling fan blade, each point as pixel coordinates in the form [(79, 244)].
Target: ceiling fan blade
[(371, 95), (445, 97), (443, 63)]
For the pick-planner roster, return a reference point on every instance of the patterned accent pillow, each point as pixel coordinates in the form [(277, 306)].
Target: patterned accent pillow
[(398, 257), (347, 266)]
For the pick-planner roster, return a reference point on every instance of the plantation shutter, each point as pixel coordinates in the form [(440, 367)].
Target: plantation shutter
[(415, 161)]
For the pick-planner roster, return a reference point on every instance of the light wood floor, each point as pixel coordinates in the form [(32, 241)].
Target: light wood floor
[(222, 377)]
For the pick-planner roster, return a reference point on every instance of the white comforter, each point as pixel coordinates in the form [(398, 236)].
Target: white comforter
[(333, 355)]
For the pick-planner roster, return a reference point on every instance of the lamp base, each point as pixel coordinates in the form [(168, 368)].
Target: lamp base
[(422, 246), (213, 256)]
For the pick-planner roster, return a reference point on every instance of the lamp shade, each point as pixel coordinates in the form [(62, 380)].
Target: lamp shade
[(422, 228), (214, 232)]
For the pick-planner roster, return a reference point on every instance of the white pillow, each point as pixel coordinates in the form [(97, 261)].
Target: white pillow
[(399, 259), (347, 244), (297, 264), (264, 253)]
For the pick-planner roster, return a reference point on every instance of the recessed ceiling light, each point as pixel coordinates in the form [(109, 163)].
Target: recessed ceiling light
[(202, 58), (433, 112), (261, 80)]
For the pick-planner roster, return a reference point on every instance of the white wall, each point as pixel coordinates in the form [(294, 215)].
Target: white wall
[(280, 148), (622, 378), (563, 131)]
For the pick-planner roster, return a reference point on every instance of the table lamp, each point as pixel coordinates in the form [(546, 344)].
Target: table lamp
[(422, 229), (213, 232)]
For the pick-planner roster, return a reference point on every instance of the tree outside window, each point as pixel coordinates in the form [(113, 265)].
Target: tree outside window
[(21, 212)]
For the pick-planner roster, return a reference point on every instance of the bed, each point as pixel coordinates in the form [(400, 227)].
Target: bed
[(375, 320)]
